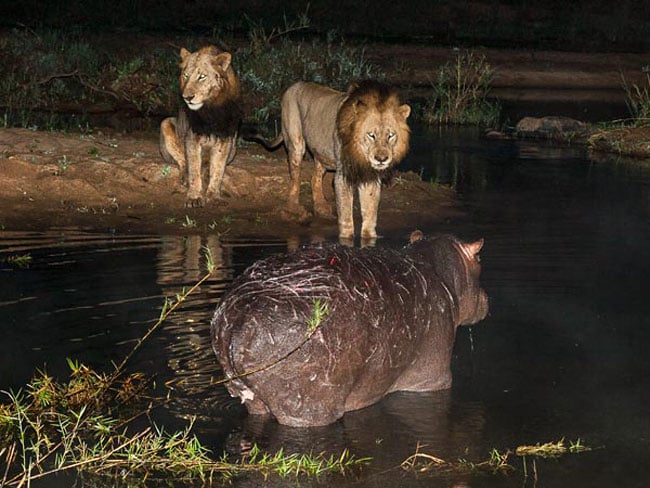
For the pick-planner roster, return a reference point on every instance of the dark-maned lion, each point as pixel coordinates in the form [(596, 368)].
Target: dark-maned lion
[(361, 134), (207, 122)]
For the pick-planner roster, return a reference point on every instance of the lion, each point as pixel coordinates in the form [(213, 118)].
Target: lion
[(360, 134), (207, 123)]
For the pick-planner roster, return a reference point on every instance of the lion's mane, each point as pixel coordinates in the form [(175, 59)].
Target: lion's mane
[(364, 98)]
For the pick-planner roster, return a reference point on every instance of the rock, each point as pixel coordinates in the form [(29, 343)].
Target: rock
[(550, 127)]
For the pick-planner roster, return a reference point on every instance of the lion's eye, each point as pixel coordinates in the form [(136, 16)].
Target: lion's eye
[(186, 75), (202, 77), (371, 136), (391, 136)]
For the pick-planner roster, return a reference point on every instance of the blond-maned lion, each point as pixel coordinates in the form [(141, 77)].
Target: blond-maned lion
[(361, 134), (207, 122)]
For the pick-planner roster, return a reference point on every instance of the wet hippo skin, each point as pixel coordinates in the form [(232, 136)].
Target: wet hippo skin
[(388, 321)]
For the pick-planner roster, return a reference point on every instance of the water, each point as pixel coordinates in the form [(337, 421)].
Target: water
[(561, 355)]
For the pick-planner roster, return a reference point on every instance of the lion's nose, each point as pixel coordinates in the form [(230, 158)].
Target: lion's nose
[(381, 158), (188, 98)]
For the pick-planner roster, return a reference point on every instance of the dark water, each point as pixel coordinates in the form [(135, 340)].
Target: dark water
[(563, 353)]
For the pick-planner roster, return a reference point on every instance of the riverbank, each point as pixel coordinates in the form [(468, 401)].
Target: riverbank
[(107, 180)]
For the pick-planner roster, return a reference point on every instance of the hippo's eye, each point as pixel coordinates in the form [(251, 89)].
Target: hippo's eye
[(202, 77), (371, 136)]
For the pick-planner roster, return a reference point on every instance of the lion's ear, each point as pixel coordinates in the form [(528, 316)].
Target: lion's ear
[(405, 111), (222, 61), (184, 53)]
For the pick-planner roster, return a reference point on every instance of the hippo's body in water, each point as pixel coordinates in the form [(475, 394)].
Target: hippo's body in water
[(389, 325)]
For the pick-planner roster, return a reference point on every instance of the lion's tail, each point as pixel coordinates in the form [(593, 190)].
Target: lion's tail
[(252, 134)]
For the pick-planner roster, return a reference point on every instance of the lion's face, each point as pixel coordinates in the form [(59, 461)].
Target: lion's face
[(206, 76), (373, 129), (383, 136)]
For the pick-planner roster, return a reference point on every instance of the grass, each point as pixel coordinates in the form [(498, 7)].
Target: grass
[(497, 463), (319, 312), (421, 462), (51, 427), (188, 222), (18, 260), (86, 425), (552, 449), (460, 93), (638, 101)]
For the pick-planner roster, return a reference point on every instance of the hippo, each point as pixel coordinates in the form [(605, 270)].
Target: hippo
[(309, 335)]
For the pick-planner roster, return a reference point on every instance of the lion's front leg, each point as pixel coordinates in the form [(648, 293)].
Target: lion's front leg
[(171, 148), (194, 178), (369, 194), (344, 206), (222, 152)]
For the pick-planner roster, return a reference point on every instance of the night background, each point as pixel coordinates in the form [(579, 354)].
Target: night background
[(582, 25), (95, 234)]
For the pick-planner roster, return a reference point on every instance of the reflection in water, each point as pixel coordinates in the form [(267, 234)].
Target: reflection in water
[(185, 337), (563, 353), (386, 431)]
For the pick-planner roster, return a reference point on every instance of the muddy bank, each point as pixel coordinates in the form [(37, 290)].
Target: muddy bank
[(119, 183)]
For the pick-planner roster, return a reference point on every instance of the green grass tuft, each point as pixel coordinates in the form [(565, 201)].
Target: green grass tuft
[(460, 93)]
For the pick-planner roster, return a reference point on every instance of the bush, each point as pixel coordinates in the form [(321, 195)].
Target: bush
[(266, 73), (460, 93), (54, 80), (638, 101)]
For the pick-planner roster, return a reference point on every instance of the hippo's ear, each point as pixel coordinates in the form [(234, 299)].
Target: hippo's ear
[(472, 248), (415, 236)]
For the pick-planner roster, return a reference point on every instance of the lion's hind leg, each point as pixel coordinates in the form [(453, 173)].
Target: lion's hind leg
[(171, 148), (322, 207), (296, 149)]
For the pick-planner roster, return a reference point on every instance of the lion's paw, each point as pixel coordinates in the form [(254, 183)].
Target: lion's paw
[(194, 202)]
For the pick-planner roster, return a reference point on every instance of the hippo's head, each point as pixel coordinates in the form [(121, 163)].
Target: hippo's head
[(458, 265)]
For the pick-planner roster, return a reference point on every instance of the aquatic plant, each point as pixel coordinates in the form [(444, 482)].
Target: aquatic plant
[(86, 425), (421, 462), (552, 449), (460, 93)]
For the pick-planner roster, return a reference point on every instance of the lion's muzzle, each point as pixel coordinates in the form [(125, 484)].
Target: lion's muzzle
[(380, 162), (191, 103)]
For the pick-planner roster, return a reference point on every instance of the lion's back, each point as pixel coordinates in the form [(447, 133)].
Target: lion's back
[(309, 111)]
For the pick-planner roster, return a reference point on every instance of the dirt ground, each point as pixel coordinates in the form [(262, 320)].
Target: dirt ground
[(119, 183)]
